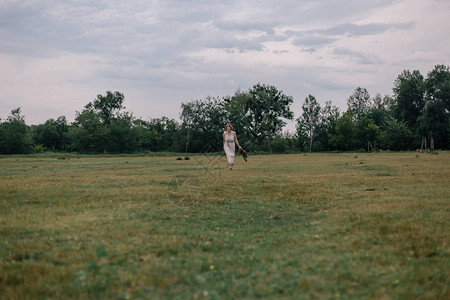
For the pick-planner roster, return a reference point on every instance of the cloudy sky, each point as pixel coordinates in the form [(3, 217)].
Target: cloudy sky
[(56, 56)]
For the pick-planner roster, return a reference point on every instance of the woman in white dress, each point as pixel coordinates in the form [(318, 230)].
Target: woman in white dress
[(229, 140)]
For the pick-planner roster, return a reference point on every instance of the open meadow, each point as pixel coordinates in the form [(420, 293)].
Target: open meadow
[(293, 226)]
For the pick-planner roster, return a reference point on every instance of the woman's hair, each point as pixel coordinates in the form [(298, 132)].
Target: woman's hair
[(228, 124)]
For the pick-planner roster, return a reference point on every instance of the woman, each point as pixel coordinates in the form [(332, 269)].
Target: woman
[(229, 138)]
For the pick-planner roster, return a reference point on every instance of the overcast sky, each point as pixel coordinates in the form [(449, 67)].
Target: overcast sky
[(56, 56)]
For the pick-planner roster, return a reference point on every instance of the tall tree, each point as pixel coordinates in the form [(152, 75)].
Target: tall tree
[(235, 107), (359, 103), (167, 134), (146, 135), (204, 120), (310, 118), (344, 138), (122, 134), (329, 116), (14, 136), (263, 108), (437, 85), (301, 139), (396, 136), (435, 117), (95, 128), (381, 110), (88, 133), (52, 134), (409, 97), (367, 133), (187, 121), (434, 124), (108, 106)]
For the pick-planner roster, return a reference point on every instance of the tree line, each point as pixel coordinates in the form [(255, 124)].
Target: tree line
[(416, 115)]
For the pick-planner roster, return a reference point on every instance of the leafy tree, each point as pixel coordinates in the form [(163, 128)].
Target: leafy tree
[(310, 118), (434, 120), (282, 143), (102, 126), (300, 139), (172, 135), (167, 134), (88, 133), (187, 117), (235, 108), (344, 138), (437, 85), (108, 106), (367, 133), (263, 108), (203, 124), (409, 97), (122, 134), (146, 135), (329, 116), (381, 110), (396, 136), (433, 123), (52, 134), (14, 136), (359, 103), (386, 102)]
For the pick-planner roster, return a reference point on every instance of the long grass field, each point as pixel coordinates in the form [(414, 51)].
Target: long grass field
[(293, 226)]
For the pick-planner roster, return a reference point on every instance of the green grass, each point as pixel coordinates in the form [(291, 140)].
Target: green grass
[(365, 226)]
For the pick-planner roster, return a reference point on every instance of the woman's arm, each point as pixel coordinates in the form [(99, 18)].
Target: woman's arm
[(224, 138), (235, 139)]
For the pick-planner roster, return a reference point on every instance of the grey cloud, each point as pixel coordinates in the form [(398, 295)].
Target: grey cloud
[(360, 57), (245, 25), (245, 46), (365, 29), (310, 50), (160, 29), (312, 40), (154, 35), (321, 37)]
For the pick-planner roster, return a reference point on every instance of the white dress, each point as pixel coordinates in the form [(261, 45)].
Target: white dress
[(229, 147)]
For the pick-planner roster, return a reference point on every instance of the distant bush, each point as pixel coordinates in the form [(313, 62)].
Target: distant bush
[(38, 149)]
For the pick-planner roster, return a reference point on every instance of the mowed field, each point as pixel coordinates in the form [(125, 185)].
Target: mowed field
[(294, 226)]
